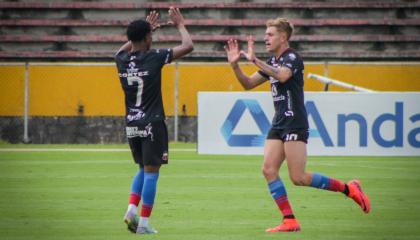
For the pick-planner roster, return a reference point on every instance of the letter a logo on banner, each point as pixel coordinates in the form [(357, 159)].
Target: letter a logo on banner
[(241, 140)]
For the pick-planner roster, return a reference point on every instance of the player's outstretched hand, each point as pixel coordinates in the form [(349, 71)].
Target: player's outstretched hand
[(250, 55), (232, 51), (152, 19), (176, 17)]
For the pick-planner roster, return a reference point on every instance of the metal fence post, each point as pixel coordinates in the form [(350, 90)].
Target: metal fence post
[(326, 69), (176, 92), (26, 105), (327, 85)]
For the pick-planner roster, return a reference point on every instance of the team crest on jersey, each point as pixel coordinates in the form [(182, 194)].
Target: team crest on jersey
[(292, 56)]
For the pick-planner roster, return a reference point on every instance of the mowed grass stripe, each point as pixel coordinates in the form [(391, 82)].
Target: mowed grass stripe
[(83, 195)]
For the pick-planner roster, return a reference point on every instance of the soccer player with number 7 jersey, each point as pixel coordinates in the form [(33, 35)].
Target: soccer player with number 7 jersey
[(139, 70)]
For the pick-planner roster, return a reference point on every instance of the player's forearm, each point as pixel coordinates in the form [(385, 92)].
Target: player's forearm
[(185, 38), (186, 44), (126, 47), (269, 70), (244, 80)]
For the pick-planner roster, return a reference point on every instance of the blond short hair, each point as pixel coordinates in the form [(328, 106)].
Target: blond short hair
[(282, 25)]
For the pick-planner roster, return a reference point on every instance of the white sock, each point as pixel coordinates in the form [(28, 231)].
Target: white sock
[(144, 222), (132, 208)]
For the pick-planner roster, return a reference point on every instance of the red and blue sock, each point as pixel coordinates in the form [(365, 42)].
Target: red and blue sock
[(136, 188), (278, 192), (149, 193), (323, 182)]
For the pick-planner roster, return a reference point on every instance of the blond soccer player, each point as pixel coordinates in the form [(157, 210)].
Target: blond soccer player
[(288, 136)]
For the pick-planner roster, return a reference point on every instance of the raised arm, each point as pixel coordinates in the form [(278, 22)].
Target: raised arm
[(186, 44), (233, 55), (126, 47), (282, 73)]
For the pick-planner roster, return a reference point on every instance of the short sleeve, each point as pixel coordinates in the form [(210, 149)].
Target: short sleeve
[(164, 56), (119, 56), (293, 62)]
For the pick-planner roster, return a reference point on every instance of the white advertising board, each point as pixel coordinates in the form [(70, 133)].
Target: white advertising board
[(340, 123)]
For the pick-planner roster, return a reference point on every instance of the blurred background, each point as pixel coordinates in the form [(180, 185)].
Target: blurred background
[(59, 84)]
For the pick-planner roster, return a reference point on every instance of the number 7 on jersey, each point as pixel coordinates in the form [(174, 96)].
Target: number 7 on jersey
[(139, 80)]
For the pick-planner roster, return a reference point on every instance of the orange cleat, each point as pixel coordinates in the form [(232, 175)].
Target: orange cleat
[(357, 194), (288, 225)]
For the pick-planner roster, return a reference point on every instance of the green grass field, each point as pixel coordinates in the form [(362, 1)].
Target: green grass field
[(83, 194)]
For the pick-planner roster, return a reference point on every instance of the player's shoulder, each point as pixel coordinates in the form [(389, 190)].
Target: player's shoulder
[(159, 51), (292, 55), (121, 55), (163, 55), (126, 56)]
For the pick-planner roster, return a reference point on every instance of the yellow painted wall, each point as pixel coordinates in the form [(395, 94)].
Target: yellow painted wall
[(195, 78), (312, 84), (59, 90), (168, 86), (385, 77), (12, 84)]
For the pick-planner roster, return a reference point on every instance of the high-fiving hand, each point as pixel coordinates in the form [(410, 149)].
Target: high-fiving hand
[(176, 17), (232, 51), (250, 55), (152, 19)]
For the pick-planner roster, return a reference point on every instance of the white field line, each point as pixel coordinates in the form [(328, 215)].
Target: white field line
[(84, 150)]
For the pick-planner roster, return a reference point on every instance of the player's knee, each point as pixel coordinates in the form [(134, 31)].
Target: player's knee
[(269, 172)]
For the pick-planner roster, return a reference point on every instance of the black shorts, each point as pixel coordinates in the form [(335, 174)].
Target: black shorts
[(287, 135), (148, 143)]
